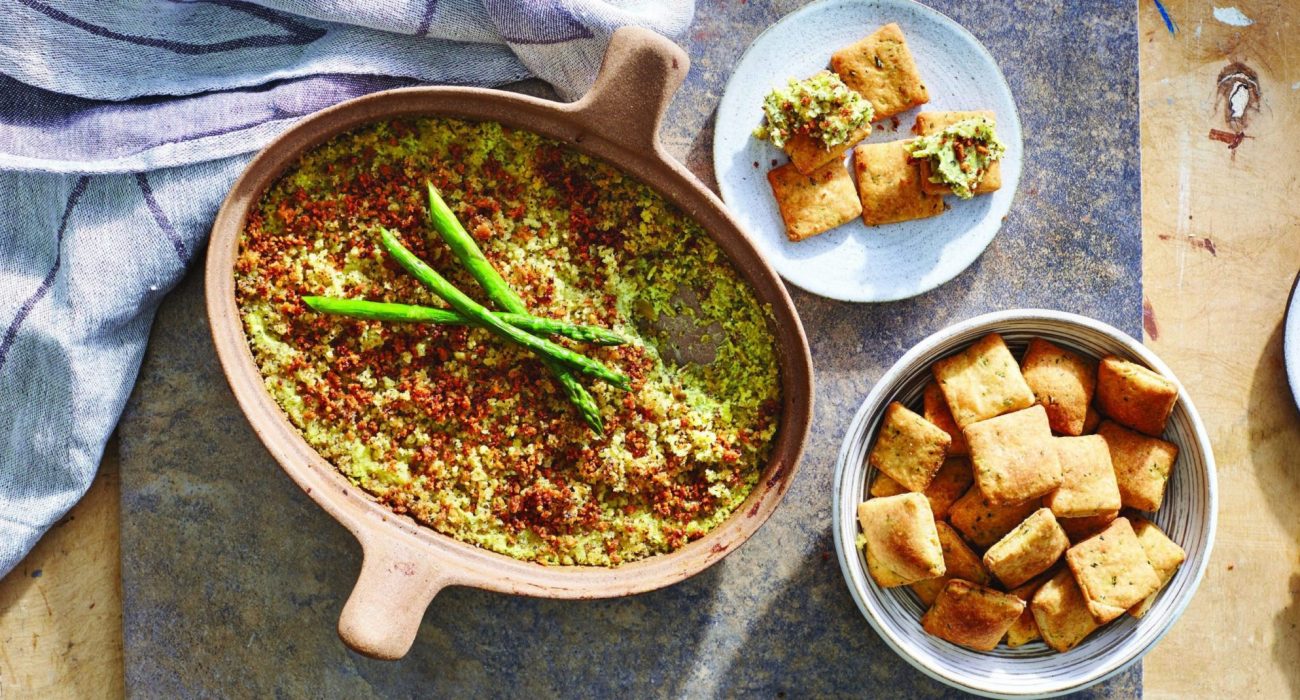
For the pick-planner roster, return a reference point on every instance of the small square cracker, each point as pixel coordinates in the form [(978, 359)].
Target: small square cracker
[(960, 562), (1088, 485), (972, 615), (983, 523), (1028, 550), (1164, 554), (808, 154), (982, 381), (1063, 381), (1013, 457), (1061, 612), (909, 448), (881, 69), (814, 203), (936, 411), (889, 185), (1142, 465), (902, 541), (1112, 570), (931, 122), (1133, 395), (949, 483)]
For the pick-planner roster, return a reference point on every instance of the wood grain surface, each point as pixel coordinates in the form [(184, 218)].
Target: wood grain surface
[(1220, 243), (1220, 224)]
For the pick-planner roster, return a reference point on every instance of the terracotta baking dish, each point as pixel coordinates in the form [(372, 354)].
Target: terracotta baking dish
[(404, 563)]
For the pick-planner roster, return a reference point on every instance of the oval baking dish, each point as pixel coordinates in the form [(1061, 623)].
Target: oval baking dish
[(406, 564)]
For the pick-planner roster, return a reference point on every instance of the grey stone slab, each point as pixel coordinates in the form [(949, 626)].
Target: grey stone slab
[(233, 580)]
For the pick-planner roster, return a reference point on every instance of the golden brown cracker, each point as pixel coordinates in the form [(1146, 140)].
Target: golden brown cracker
[(983, 523), (889, 185), (1063, 381), (1134, 396), (1163, 553), (902, 541), (1061, 613), (1112, 570), (1088, 484), (881, 68), (909, 448), (814, 203), (982, 381), (971, 615), (1028, 550), (1142, 465), (1013, 457)]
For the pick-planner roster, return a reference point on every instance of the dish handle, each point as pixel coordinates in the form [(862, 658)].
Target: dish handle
[(387, 604), (637, 80)]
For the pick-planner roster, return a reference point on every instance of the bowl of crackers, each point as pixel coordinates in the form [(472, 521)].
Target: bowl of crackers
[(1025, 503)]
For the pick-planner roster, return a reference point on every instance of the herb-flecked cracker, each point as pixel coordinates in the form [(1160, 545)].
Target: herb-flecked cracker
[(1013, 456), (1063, 381), (983, 523), (881, 68), (1088, 485), (982, 381), (972, 615), (1028, 550), (814, 203), (901, 539), (1164, 555), (1061, 612), (1112, 570), (1142, 465), (889, 185), (932, 122), (908, 448), (1133, 395)]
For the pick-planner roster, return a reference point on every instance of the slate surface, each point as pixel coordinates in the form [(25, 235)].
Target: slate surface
[(233, 580)]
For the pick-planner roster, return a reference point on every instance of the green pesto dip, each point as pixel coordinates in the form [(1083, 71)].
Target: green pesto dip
[(960, 154), (821, 107), (468, 434)]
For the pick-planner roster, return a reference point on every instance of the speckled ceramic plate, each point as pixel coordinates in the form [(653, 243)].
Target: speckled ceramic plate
[(1291, 341), (1188, 516), (855, 262)]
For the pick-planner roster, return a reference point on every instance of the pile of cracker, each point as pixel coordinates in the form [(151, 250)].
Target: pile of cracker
[(814, 191), (1000, 503)]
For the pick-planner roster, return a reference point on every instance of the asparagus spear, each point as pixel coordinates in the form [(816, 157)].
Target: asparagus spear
[(408, 313), (501, 294), (472, 310)]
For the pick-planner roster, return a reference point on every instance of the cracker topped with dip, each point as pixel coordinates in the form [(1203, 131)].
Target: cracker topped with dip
[(816, 121)]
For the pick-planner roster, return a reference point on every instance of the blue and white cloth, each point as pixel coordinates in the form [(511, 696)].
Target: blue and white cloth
[(123, 124)]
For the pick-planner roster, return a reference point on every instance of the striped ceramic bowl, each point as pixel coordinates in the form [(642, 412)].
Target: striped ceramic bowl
[(1033, 670)]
